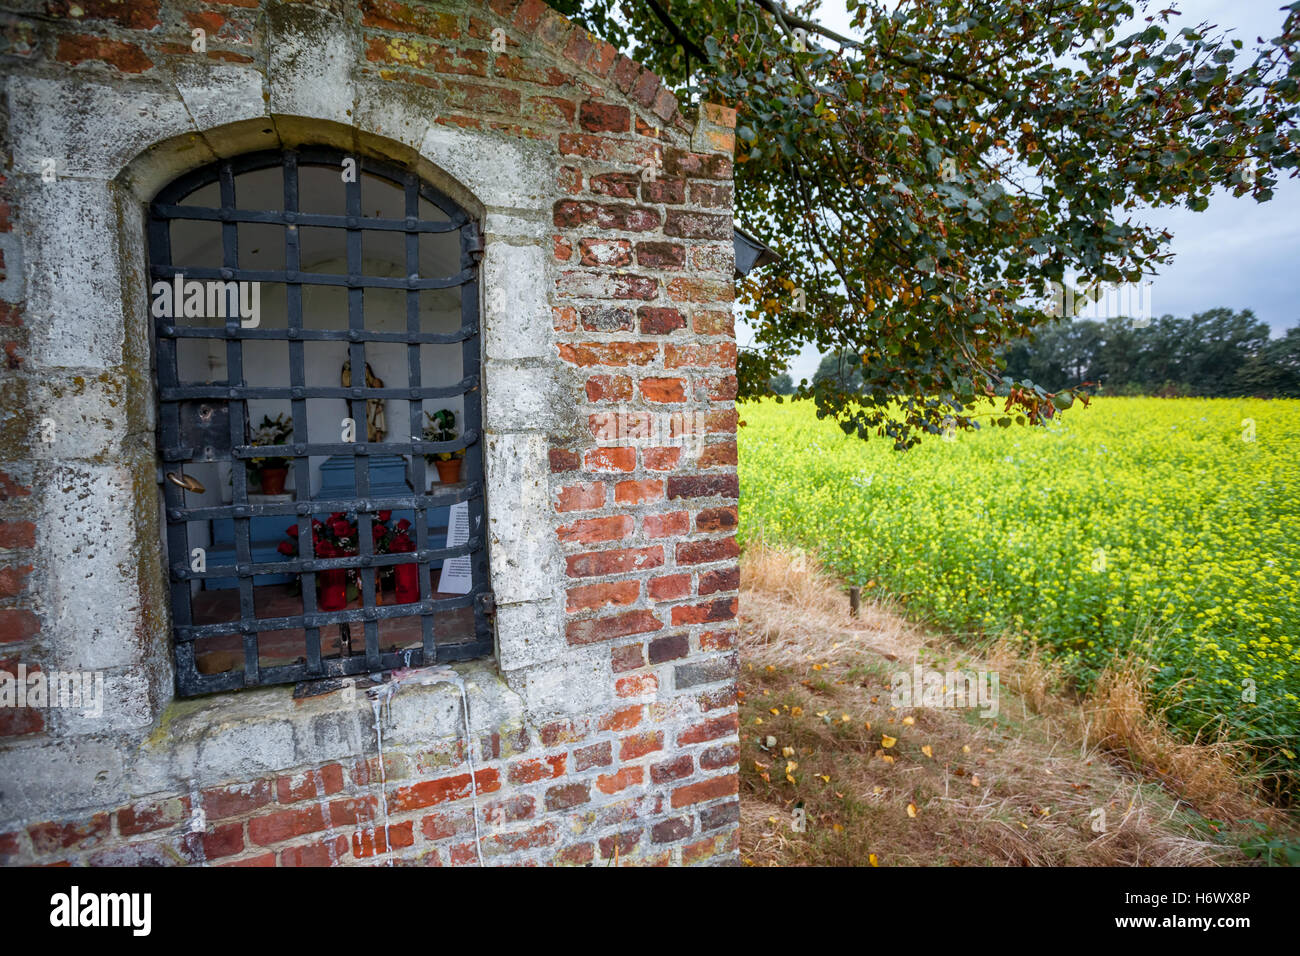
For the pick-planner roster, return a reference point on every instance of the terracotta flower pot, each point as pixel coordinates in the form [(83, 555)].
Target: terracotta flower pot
[(273, 480), (448, 471), (332, 589), (408, 583)]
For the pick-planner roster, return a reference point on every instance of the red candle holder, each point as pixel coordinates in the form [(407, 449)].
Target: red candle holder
[(408, 583), (332, 589)]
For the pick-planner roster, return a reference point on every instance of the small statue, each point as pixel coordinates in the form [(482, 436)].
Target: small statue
[(376, 420)]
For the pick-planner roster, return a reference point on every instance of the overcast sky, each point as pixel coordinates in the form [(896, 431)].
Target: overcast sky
[(1237, 253)]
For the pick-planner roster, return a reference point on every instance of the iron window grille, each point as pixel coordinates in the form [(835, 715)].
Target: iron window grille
[(207, 422)]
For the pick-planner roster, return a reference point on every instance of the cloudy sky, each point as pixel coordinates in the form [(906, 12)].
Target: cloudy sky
[(1237, 253)]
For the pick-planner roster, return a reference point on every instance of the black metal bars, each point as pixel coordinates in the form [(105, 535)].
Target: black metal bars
[(177, 448)]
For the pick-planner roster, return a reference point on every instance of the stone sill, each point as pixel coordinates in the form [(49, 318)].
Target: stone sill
[(248, 735)]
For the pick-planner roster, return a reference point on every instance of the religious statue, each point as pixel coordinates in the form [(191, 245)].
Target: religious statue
[(376, 421)]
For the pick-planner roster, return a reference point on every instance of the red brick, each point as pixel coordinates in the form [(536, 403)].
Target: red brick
[(597, 755), (599, 563), (715, 355), (432, 792), (613, 354), (624, 719), (221, 802), (589, 596), (563, 460), (618, 185), (224, 840), (638, 492), (711, 729), (532, 769), (606, 252), (703, 486), (723, 609), (17, 624), (661, 459), (668, 191), (609, 388), (312, 784), (670, 587), (52, 837), (711, 789), (147, 817), (660, 255), (641, 685), (13, 580), (326, 853), (670, 831), (718, 455), (264, 859), (668, 525), (550, 109), (567, 795), (137, 15), (126, 57), (606, 318), (353, 811), (17, 534), (727, 579), (660, 321), (584, 496), (699, 552), (619, 844), (443, 825), (715, 758), (717, 640), (670, 648), (638, 745), (568, 213), (286, 824), (597, 117), (578, 855), (610, 459), (564, 319), (717, 519), (591, 530), (677, 768), (597, 629), (663, 389), (713, 323), (626, 777), (378, 839), (408, 18), (628, 657)]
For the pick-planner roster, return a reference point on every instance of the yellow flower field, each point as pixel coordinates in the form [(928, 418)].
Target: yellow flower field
[(1170, 526)]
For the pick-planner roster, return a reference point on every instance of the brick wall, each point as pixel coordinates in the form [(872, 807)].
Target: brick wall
[(621, 736)]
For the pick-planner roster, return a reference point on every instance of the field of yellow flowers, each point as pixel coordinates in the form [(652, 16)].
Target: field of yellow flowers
[(1169, 527)]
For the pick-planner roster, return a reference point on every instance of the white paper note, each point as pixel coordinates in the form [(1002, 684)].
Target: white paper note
[(457, 575)]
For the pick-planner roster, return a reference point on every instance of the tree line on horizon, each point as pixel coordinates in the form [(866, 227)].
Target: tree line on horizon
[(1215, 354)]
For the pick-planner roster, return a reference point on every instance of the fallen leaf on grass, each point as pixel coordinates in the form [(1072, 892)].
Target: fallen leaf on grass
[(927, 751), (887, 741), (911, 809)]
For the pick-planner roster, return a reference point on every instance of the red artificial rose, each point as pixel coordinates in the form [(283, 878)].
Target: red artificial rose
[(324, 549), (401, 543), (286, 548), (378, 531), (385, 515), (340, 527), (403, 525), (292, 531)]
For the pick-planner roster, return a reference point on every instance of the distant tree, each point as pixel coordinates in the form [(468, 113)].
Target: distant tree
[(842, 370), (782, 384), (1216, 353)]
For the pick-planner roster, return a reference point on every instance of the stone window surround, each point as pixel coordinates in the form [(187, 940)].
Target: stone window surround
[(86, 247)]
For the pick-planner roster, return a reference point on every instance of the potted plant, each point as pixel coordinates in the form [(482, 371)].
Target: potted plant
[(441, 426), (271, 471)]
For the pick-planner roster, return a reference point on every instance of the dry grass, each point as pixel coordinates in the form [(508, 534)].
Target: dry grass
[(1037, 785)]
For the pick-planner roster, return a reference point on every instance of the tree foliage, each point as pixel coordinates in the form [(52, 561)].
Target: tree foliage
[(1218, 354), (928, 177)]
